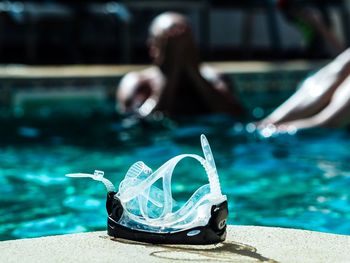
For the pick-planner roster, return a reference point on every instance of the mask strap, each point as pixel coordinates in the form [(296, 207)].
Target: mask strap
[(165, 172), (210, 168), (129, 192)]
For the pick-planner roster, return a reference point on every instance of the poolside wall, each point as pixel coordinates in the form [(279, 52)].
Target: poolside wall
[(37, 90)]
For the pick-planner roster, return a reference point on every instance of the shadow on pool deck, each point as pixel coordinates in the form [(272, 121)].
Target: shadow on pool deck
[(222, 252)]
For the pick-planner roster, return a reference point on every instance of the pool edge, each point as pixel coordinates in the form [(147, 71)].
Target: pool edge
[(243, 244)]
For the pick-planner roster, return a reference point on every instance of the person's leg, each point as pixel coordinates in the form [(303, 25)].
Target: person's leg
[(314, 94), (335, 114)]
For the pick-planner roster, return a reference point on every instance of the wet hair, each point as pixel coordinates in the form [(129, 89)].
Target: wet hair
[(168, 23)]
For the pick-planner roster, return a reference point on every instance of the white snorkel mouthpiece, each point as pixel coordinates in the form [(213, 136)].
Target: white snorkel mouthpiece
[(97, 176), (143, 212)]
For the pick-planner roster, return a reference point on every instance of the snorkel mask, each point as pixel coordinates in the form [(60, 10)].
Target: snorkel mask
[(140, 211)]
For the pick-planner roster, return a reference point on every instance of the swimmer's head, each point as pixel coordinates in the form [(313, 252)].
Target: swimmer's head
[(169, 35), (168, 23)]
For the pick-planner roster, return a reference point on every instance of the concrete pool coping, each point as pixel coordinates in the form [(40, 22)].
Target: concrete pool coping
[(98, 71), (243, 244)]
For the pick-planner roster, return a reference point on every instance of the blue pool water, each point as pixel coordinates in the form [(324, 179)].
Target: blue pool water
[(298, 181)]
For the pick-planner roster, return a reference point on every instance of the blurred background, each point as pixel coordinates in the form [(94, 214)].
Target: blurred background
[(61, 50), (113, 32)]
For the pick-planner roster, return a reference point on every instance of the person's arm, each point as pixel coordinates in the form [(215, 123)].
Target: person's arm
[(132, 93)]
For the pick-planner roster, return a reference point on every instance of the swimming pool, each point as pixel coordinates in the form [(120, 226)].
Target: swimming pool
[(299, 181)]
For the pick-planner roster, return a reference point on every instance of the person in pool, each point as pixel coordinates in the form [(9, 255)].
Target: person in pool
[(323, 99), (177, 84)]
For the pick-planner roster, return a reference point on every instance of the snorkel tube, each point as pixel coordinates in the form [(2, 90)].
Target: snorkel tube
[(142, 212)]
